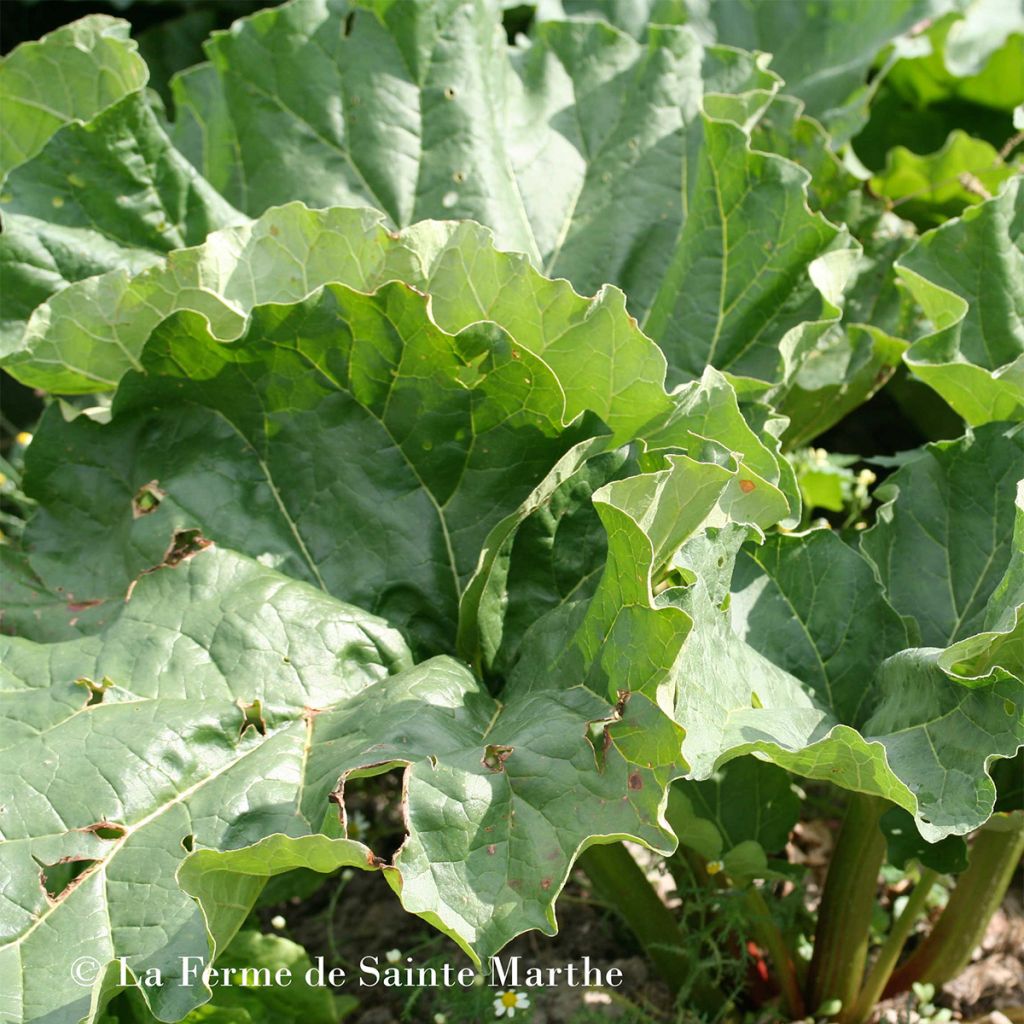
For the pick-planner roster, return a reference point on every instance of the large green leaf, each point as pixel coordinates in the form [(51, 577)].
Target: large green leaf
[(968, 276), (158, 754), (347, 410), (872, 715), (128, 198), (796, 655), (226, 707), (292, 251), (602, 159), (241, 440), (944, 537)]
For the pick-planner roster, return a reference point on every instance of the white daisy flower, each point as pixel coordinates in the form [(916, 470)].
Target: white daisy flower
[(506, 1003)]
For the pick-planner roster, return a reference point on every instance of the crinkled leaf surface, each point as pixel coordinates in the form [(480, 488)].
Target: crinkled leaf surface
[(968, 276), (443, 434), (292, 251), (872, 715), (127, 750), (223, 709), (827, 682), (346, 439)]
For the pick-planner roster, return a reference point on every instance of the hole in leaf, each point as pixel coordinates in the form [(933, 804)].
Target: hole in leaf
[(346, 28), (600, 738), (58, 879), (107, 830), (147, 499), (371, 809), (252, 718), (184, 544), (495, 756), (188, 843), (96, 690)]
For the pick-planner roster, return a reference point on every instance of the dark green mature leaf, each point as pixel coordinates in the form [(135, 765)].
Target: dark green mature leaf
[(748, 801), (832, 694), (968, 276), (824, 52), (292, 251), (904, 843), (944, 538), (346, 409), (242, 439), (602, 159)]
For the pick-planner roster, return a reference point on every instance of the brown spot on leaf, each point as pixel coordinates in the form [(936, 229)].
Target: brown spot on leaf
[(545, 883), (80, 606), (491, 849), (636, 781), (746, 486)]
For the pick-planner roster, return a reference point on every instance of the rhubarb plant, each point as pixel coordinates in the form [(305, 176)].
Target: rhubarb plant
[(420, 399)]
